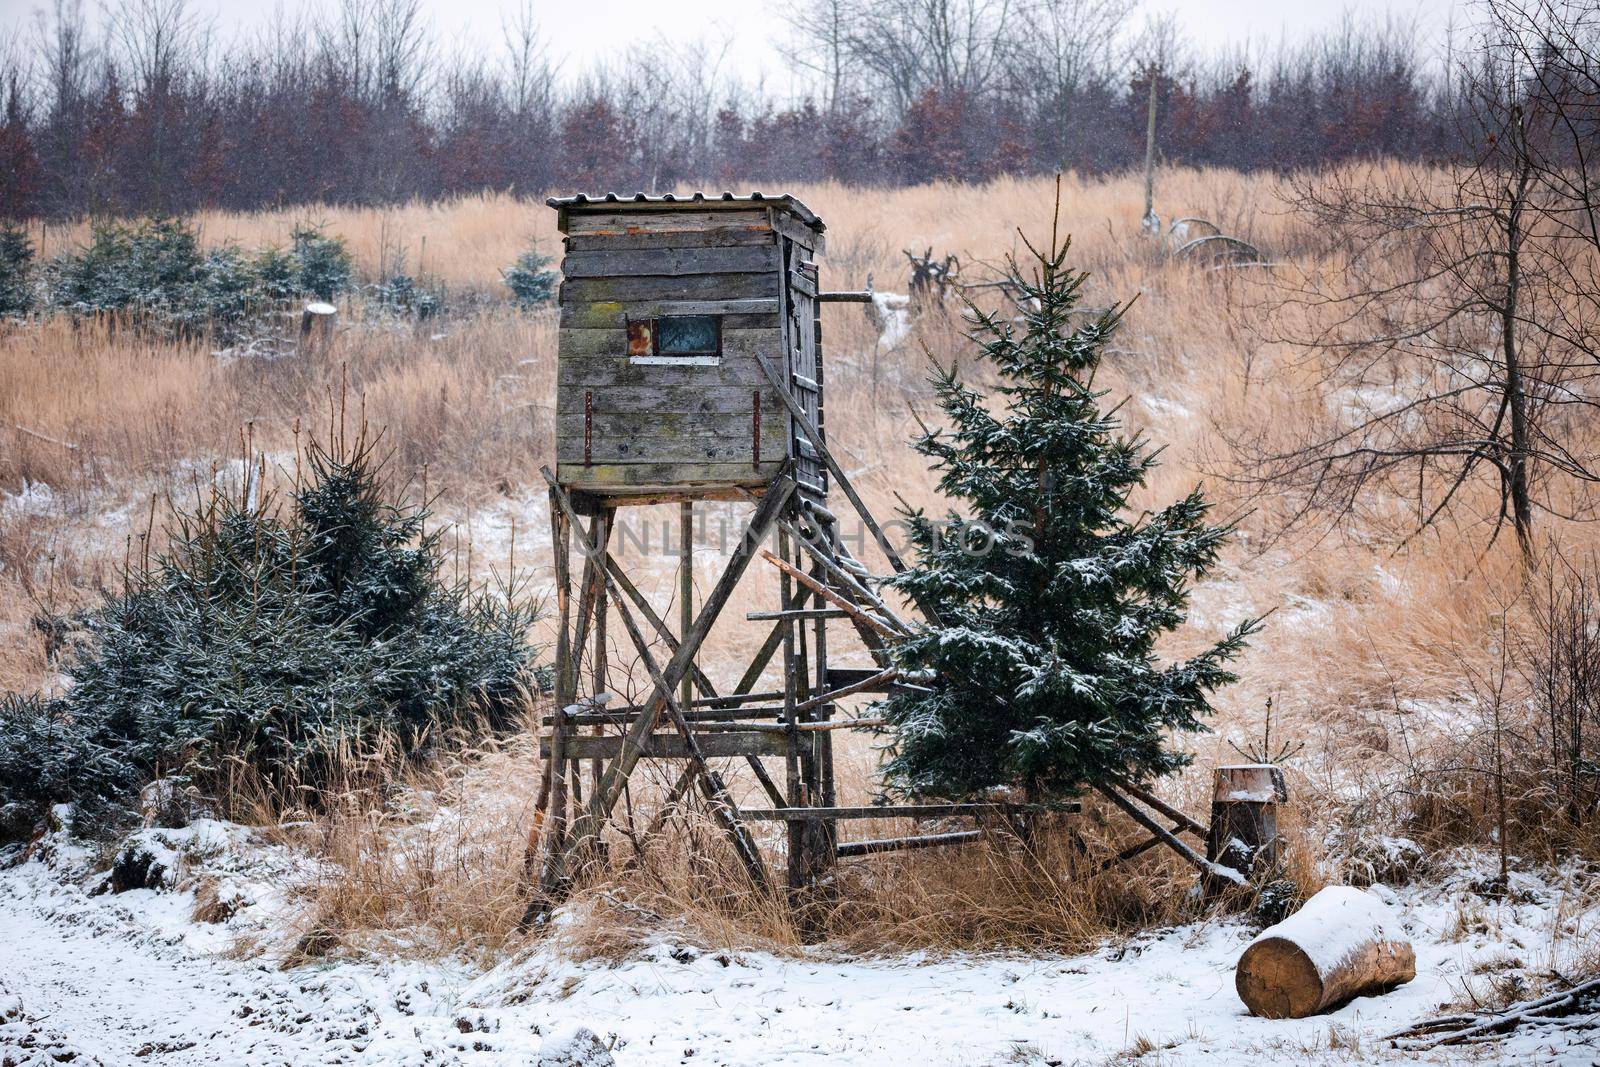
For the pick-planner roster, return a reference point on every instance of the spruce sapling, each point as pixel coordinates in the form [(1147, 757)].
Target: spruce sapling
[(1050, 595)]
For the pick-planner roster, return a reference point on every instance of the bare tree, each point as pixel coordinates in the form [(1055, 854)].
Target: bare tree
[(531, 75), (1070, 47), (905, 48), (1441, 347)]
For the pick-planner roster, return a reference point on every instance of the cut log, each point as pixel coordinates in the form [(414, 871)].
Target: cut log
[(1343, 943)]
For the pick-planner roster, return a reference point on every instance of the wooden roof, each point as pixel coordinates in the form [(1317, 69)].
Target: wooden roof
[(687, 202)]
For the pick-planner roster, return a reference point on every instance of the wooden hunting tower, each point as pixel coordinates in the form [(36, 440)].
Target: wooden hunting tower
[(690, 369), (668, 308)]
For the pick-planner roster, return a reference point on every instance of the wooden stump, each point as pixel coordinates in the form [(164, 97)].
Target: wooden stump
[(316, 327), (1244, 820), (1343, 943)]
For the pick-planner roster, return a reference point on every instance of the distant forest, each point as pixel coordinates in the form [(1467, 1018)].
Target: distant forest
[(151, 110)]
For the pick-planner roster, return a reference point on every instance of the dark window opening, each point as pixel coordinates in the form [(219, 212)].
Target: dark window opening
[(688, 335)]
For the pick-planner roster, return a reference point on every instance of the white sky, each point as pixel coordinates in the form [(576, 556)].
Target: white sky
[(583, 30)]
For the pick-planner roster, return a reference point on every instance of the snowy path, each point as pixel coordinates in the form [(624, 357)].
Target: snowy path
[(131, 980)]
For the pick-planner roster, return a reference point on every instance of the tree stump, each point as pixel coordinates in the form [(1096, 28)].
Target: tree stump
[(1244, 820), (1343, 943), (316, 326)]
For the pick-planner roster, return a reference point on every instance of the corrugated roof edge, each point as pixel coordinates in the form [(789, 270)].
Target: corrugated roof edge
[(783, 200)]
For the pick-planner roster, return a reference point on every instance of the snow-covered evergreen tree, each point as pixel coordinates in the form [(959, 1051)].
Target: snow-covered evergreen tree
[(1050, 595)]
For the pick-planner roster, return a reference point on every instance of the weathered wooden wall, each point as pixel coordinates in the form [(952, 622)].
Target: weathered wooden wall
[(627, 428)]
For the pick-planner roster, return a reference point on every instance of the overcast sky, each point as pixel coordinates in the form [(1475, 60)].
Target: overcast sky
[(582, 30)]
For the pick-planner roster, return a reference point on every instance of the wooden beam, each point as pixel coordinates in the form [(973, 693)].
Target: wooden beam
[(894, 844), (850, 583), (877, 680), (861, 615), (905, 811), (1184, 822), (1190, 856), (815, 436), (659, 745), (840, 677), (799, 615)]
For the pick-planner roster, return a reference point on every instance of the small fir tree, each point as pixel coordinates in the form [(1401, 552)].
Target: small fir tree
[(1049, 595), (275, 636), (16, 270), (531, 281)]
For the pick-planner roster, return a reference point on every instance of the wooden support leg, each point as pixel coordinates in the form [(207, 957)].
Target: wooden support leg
[(686, 590), (587, 827), (555, 765), (600, 535)]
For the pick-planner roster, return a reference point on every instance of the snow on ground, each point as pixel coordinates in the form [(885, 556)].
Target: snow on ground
[(130, 978)]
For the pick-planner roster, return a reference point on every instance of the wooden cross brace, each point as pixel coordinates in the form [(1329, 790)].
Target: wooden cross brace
[(566, 854)]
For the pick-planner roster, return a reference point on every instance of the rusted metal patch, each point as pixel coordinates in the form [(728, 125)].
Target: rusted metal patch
[(641, 337)]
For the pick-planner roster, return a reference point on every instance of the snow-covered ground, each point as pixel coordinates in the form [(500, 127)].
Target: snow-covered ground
[(132, 978)]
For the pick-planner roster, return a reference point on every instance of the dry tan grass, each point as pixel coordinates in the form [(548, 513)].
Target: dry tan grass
[(110, 420)]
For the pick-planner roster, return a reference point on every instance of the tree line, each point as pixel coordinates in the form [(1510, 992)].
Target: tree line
[(150, 109)]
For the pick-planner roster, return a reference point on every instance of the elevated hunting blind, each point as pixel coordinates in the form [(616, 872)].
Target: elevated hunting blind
[(668, 307), (690, 369)]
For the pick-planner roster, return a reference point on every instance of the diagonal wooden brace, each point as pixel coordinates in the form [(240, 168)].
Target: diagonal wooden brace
[(586, 829), (803, 420), (700, 680)]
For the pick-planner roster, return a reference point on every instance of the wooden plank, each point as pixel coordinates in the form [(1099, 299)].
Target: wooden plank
[(903, 811), (598, 373), (690, 448), (799, 613), (750, 314), (600, 477), (802, 283), (839, 677), (882, 678), (690, 394), (849, 849), (721, 425), (673, 746), (674, 262), (654, 288), (712, 237), (798, 232), (654, 218)]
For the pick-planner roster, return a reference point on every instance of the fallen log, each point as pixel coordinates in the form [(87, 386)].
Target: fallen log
[(1574, 1008), (1343, 943)]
